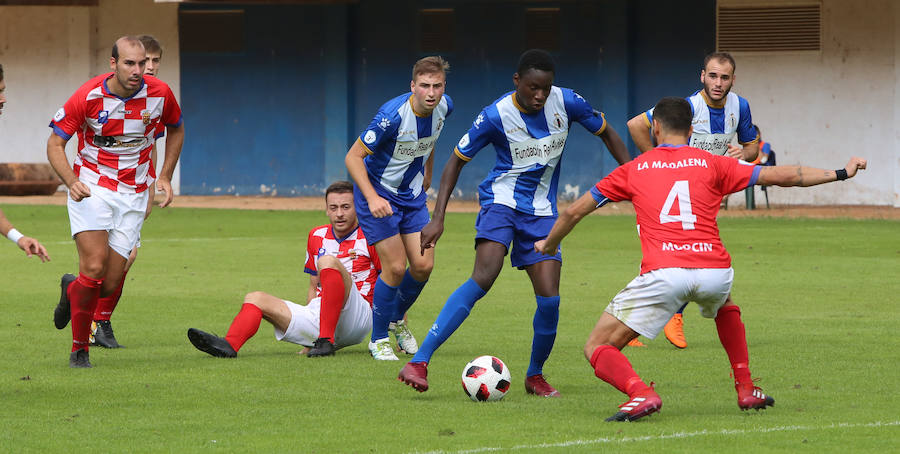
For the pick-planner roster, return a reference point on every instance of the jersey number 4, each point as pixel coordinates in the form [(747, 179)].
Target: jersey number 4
[(685, 216)]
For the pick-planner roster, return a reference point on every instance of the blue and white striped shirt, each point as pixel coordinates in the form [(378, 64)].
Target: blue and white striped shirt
[(399, 142), (529, 146)]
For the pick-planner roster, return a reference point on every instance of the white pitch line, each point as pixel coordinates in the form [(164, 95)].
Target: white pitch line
[(676, 435)]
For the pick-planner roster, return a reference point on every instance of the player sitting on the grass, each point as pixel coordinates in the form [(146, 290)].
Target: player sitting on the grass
[(683, 257), (342, 269)]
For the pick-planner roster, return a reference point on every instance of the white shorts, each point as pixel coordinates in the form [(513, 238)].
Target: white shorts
[(354, 324), (120, 214), (650, 300)]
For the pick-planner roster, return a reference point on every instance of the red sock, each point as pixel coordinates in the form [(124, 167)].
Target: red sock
[(244, 326), (734, 339), (83, 293), (107, 304), (331, 303), (611, 366)]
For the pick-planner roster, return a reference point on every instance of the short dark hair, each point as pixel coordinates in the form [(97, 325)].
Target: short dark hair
[(673, 114), (339, 187), (431, 65), (1, 73), (151, 45), (535, 59), (721, 57), (127, 39)]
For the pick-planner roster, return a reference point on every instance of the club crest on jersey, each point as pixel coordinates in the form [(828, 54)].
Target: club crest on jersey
[(558, 120), (439, 125), (103, 117), (732, 121), (384, 123), (369, 138), (145, 116), (352, 254)]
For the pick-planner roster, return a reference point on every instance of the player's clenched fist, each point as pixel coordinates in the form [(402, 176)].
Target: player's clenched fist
[(546, 248), (854, 165), (79, 191), (380, 208)]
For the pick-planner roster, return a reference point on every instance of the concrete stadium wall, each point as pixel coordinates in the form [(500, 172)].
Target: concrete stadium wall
[(820, 108), (47, 52)]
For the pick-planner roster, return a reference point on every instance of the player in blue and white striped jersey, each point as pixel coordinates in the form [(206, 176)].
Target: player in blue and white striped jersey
[(391, 165), (528, 129), (718, 115)]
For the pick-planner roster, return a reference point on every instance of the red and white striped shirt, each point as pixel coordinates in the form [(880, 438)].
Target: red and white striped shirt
[(354, 252), (116, 135)]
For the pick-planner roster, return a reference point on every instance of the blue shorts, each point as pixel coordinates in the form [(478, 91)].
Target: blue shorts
[(502, 224), (407, 218)]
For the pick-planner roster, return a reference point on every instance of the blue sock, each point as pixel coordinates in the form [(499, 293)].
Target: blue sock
[(383, 303), (682, 308), (545, 319), (454, 312), (407, 293)]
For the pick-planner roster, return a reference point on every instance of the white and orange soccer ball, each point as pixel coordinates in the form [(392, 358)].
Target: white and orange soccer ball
[(485, 378)]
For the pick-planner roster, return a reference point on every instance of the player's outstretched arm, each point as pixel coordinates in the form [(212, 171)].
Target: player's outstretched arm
[(640, 132), (356, 167), (615, 145), (30, 245), (450, 175), (807, 176), (565, 223)]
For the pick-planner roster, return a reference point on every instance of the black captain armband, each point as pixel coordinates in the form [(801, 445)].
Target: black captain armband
[(841, 174)]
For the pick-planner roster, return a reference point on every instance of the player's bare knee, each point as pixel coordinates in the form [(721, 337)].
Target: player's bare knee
[(397, 269), (94, 269), (328, 262), (589, 348), (421, 270), (255, 298)]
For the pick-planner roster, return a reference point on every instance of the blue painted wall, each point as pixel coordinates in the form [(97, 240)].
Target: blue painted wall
[(284, 112)]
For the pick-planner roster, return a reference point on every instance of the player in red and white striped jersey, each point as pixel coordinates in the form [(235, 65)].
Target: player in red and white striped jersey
[(117, 117), (676, 191), (342, 268), (101, 328)]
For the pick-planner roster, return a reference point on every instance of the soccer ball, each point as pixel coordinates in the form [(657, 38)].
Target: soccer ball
[(485, 378)]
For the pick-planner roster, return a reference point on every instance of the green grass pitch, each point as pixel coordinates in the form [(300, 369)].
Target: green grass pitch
[(819, 299)]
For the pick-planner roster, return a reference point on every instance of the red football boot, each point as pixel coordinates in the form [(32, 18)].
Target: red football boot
[(639, 405), (536, 384), (752, 397), (415, 375)]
